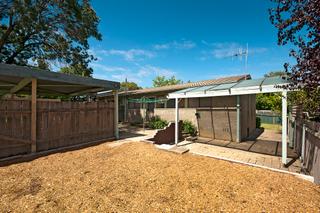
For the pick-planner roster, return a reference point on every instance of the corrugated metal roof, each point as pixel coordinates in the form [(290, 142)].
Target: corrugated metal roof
[(251, 86), (50, 82), (185, 86)]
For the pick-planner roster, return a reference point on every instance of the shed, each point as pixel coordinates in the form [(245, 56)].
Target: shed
[(237, 91), (31, 124)]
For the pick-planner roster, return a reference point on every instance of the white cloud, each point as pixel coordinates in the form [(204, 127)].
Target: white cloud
[(184, 45), (103, 67), (148, 70), (131, 54), (227, 49), (129, 76), (143, 73)]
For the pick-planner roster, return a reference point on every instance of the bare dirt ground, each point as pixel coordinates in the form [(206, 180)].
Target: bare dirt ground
[(137, 177)]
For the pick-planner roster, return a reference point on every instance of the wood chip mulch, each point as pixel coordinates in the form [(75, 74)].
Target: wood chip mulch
[(137, 177)]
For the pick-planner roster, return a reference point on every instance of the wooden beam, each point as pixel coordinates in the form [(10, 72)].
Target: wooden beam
[(34, 115), (86, 91), (24, 82)]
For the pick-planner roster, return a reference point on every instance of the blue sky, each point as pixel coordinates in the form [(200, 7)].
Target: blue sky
[(192, 40)]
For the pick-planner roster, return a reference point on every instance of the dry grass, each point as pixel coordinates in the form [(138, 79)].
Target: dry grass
[(136, 177), (276, 127)]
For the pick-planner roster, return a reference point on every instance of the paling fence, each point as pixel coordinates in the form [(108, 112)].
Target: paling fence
[(58, 124), (306, 141)]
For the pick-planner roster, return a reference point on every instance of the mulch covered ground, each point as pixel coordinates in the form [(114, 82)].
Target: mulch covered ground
[(137, 177)]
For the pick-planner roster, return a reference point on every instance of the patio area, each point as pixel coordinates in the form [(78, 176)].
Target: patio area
[(265, 151)]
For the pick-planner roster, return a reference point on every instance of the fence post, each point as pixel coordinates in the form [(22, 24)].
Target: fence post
[(34, 115)]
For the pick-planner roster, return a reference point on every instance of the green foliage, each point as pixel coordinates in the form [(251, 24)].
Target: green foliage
[(298, 23), (258, 122), (77, 70), (275, 73), (270, 101), (309, 100), (129, 86), (47, 30), (189, 128), (161, 81), (157, 123)]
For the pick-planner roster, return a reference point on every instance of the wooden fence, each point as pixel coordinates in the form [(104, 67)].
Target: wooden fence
[(59, 124), (306, 142)]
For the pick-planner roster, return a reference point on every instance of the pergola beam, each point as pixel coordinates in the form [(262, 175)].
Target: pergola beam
[(24, 82), (85, 91)]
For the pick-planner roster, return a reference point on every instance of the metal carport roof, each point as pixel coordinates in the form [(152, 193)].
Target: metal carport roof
[(252, 86), (17, 79)]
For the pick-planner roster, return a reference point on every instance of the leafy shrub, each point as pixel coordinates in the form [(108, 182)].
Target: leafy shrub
[(189, 128), (258, 122), (157, 123)]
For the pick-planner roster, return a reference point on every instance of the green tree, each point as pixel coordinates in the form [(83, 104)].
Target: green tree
[(297, 22), (270, 101), (275, 74), (77, 70), (161, 81), (129, 86), (50, 30)]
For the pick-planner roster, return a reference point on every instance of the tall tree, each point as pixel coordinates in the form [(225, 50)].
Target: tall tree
[(275, 74), (161, 81), (49, 30), (127, 85), (298, 22), (77, 69)]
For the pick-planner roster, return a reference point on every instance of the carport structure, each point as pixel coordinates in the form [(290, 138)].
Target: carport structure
[(244, 87), (37, 118)]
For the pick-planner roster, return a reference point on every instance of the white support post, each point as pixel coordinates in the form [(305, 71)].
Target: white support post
[(116, 115), (284, 127), (238, 120), (176, 138)]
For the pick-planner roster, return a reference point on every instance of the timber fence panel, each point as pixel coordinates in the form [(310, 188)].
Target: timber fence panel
[(59, 124)]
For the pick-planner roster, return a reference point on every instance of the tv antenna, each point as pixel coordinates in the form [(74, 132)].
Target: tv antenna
[(242, 53)]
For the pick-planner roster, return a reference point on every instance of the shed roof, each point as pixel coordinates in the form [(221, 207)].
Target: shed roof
[(50, 82), (252, 86), (171, 88)]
